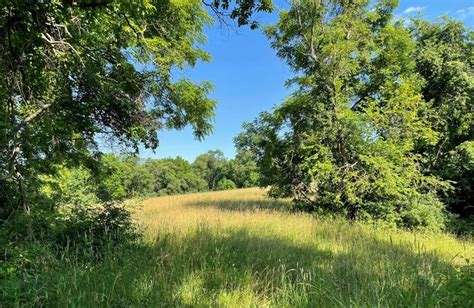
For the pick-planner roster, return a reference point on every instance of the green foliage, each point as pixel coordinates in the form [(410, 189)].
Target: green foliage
[(379, 128), (76, 229), (444, 60), (215, 168), (458, 168), (81, 217), (242, 170), (123, 177), (242, 10), (73, 73), (71, 186), (345, 141), (115, 178), (211, 167), (173, 176), (226, 184)]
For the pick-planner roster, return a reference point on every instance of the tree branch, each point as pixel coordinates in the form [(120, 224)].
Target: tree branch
[(31, 117)]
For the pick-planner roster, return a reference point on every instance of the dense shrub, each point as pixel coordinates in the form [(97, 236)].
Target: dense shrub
[(458, 168), (226, 184), (69, 222), (93, 226)]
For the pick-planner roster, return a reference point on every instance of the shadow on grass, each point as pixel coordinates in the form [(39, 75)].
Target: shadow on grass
[(241, 268), (243, 205)]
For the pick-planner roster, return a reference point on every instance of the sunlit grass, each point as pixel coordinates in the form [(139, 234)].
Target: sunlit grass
[(240, 249)]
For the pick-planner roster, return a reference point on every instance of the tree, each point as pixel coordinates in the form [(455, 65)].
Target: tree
[(241, 11), (242, 170), (75, 72), (344, 141), (211, 167), (444, 59), (174, 176), (121, 177), (114, 178)]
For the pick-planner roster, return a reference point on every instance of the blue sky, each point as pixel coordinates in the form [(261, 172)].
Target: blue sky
[(249, 78)]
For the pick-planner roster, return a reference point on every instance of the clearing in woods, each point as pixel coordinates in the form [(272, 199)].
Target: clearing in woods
[(238, 248)]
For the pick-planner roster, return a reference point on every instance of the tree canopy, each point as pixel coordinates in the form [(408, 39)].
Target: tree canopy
[(355, 135), (74, 74), (445, 61)]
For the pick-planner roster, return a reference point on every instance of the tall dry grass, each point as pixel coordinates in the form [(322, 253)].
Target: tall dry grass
[(239, 249)]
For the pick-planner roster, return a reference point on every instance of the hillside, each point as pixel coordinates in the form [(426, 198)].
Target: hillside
[(237, 248)]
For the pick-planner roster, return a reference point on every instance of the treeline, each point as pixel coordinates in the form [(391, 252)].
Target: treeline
[(119, 177)]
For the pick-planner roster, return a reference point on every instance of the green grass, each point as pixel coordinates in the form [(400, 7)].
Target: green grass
[(238, 249)]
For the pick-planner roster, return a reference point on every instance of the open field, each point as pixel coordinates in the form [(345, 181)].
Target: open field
[(237, 248)]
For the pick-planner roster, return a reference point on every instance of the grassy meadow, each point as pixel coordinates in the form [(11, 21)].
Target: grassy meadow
[(238, 249)]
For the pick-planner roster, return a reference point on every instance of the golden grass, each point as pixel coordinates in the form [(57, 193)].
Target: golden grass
[(252, 210), (239, 249)]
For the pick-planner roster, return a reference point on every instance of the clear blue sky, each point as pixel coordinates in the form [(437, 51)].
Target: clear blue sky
[(249, 78)]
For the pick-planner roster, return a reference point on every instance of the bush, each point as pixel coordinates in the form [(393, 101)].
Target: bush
[(427, 213), (73, 234), (462, 226), (226, 184), (93, 227)]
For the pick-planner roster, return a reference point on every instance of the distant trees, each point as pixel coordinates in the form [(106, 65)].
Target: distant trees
[(242, 170), (380, 124), (225, 184), (173, 176), (211, 167), (221, 173), (120, 177)]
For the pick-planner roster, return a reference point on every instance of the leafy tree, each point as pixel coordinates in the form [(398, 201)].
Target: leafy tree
[(121, 177), (174, 176), (211, 167), (241, 11), (113, 178), (75, 72), (444, 59), (72, 186), (242, 170), (141, 183), (344, 141)]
